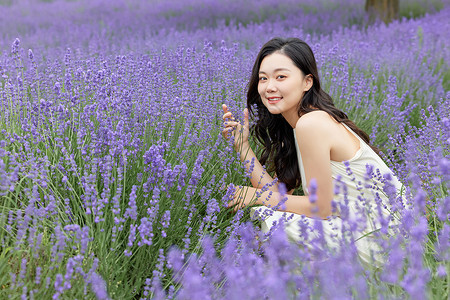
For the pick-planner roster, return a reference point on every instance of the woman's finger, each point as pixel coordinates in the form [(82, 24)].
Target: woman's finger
[(234, 205), (227, 132), (228, 115), (230, 124), (225, 108), (246, 123)]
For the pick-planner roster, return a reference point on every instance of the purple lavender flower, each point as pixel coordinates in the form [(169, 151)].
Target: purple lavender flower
[(98, 286), (15, 46), (59, 285)]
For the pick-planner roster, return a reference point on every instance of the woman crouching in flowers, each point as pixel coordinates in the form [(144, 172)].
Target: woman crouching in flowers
[(307, 141)]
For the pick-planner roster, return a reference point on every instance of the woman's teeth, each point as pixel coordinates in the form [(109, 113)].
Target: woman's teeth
[(274, 100)]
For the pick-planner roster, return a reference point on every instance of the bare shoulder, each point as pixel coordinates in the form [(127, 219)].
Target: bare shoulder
[(315, 122)]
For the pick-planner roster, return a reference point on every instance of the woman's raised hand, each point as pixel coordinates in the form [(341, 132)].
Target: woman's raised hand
[(235, 128)]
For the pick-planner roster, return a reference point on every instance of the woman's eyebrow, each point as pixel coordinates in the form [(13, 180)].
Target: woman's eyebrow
[(276, 70)]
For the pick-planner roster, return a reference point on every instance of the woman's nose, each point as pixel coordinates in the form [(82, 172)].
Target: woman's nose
[(271, 86)]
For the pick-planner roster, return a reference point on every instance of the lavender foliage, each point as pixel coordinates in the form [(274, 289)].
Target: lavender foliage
[(113, 172)]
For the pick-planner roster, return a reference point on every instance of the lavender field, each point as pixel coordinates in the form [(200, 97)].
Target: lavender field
[(114, 172)]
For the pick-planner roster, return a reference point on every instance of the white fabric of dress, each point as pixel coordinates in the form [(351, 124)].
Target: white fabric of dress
[(358, 202)]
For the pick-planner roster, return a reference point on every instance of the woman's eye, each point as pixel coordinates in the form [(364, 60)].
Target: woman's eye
[(281, 76), (262, 78)]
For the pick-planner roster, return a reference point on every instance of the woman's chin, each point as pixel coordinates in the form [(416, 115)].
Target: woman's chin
[(274, 110)]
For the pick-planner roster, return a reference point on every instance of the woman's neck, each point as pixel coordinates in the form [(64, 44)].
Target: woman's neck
[(291, 119)]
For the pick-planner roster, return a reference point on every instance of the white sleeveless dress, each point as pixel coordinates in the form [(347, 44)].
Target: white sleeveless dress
[(358, 203)]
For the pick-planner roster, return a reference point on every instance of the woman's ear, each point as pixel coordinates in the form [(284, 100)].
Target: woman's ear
[(309, 82)]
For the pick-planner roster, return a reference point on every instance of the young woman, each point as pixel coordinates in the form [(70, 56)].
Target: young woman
[(307, 141)]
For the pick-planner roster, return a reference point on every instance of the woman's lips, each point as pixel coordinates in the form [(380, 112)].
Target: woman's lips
[(274, 100)]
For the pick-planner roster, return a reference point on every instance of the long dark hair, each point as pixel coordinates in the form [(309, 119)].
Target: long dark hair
[(272, 131)]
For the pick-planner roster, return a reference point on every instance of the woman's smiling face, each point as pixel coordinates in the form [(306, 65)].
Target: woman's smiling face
[(281, 85)]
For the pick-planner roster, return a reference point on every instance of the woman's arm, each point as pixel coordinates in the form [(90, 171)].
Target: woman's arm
[(316, 132), (315, 135), (296, 204), (258, 175)]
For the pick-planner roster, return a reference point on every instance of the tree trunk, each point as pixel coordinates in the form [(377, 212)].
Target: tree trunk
[(386, 10)]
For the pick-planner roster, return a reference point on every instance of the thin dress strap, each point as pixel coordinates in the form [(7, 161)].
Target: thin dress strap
[(362, 143), (354, 133)]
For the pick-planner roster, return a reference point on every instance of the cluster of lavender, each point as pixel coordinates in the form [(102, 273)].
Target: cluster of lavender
[(113, 172), (98, 24), (115, 26)]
